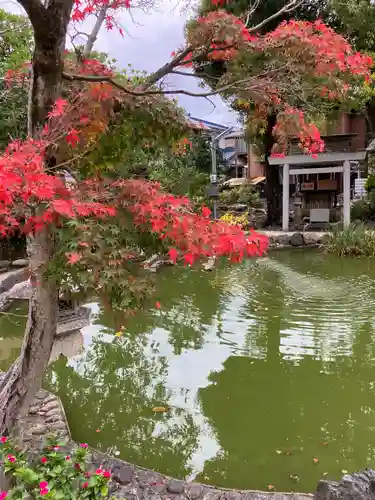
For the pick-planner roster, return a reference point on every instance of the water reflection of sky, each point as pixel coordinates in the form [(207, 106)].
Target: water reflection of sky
[(276, 311)]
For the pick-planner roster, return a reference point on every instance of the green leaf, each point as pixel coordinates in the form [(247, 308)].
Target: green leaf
[(27, 475), (104, 491)]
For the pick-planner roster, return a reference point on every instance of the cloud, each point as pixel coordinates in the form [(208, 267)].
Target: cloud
[(148, 44)]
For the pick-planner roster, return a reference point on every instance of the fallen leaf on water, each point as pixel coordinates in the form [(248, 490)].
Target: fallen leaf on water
[(316, 460), (289, 453), (325, 474), (344, 471), (270, 487), (325, 443), (98, 430), (278, 452), (294, 477), (159, 409), (118, 334)]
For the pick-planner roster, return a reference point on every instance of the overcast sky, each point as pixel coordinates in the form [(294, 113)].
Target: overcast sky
[(148, 44)]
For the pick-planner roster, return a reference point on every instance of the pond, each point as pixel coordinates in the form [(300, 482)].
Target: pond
[(266, 369)]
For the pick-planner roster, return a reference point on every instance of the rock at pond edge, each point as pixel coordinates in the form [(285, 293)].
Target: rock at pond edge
[(176, 486), (358, 486), (296, 240)]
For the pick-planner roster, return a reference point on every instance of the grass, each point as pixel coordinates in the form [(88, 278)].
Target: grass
[(353, 241)]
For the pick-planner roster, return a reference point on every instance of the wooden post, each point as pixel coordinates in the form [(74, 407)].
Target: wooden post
[(285, 197), (346, 188)]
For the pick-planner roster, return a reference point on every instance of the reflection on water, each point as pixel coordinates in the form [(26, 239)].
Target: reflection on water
[(263, 367), (12, 325)]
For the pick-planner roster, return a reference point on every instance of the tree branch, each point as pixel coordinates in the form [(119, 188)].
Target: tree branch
[(289, 7), (139, 93), (167, 68), (91, 39), (35, 11), (194, 75)]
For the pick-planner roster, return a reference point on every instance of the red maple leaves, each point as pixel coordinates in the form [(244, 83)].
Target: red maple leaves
[(190, 235), (58, 108)]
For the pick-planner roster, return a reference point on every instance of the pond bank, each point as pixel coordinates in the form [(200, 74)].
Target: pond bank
[(129, 481), (136, 483), (296, 239)]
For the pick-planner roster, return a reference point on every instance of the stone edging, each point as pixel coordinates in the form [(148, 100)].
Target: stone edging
[(46, 416), (280, 239)]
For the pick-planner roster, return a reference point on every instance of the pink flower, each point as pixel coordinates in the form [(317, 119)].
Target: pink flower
[(106, 474), (44, 460), (99, 471), (84, 445), (68, 457), (43, 485), (3, 439), (3, 494), (11, 458), (85, 484), (77, 466), (56, 448)]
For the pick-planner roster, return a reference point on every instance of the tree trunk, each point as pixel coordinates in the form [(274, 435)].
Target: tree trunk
[(272, 186), (24, 378), (95, 31)]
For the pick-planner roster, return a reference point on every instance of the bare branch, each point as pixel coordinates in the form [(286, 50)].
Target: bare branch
[(251, 11), (195, 75), (138, 93), (289, 7), (167, 68)]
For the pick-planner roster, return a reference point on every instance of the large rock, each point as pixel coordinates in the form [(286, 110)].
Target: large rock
[(296, 240), (324, 239), (282, 240), (279, 240), (358, 486), (311, 238)]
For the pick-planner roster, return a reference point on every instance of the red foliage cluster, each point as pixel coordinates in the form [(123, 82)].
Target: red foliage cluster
[(85, 8), (222, 33), (31, 193), (310, 50), (191, 235), (331, 52), (291, 123)]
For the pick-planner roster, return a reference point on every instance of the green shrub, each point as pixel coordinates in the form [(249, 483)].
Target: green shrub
[(353, 241), (370, 183), (52, 474), (361, 210), (245, 195)]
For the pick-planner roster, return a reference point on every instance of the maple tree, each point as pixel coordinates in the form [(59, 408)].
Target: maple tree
[(344, 17), (88, 229)]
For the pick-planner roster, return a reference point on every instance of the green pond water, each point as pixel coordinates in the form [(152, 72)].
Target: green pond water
[(263, 368)]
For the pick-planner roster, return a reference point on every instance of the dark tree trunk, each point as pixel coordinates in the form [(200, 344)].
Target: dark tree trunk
[(272, 186), (24, 378)]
